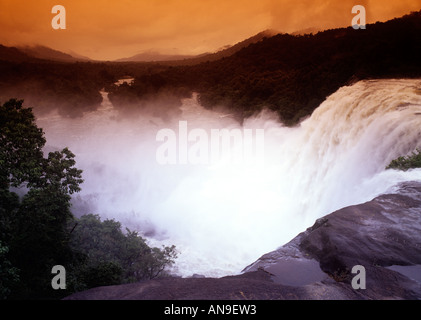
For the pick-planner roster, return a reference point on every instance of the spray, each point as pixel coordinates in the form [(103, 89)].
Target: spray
[(223, 215)]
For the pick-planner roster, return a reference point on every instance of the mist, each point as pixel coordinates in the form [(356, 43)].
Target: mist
[(223, 215)]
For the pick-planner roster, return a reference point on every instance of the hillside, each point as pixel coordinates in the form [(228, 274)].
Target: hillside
[(36, 53), (227, 51), (290, 74), (185, 60), (45, 53), (153, 56), (12, 54)]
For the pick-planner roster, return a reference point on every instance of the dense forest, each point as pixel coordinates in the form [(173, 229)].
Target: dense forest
[(290, 74), (72, 88)]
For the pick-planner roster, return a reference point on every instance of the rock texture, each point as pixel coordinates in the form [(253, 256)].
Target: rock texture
[(382, 235)]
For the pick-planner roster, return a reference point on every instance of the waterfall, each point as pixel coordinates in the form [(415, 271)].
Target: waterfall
[(223, 215)]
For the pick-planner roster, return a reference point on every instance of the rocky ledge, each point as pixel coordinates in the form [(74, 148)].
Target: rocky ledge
[(382, 237)]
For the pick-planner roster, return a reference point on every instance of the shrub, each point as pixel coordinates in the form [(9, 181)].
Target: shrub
[(407, 162), (113, 257)]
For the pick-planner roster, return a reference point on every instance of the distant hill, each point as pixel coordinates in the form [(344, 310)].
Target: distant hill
[(45, 53), (13, 54), (153, 56), (230, 50), (79, 56), (291, 74), (36, 53)]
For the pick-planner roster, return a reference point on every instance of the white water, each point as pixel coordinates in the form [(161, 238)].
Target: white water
[(223, 217)]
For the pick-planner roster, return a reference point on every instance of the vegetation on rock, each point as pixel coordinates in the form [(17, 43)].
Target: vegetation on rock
[(407, 162)]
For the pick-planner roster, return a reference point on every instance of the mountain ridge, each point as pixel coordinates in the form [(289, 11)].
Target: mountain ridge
[(292, 75), (225, 51), (154, 56), (46, 53), (37, 53)]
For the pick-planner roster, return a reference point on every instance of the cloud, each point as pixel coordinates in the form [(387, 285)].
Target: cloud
[(106, 29), (290, 16)]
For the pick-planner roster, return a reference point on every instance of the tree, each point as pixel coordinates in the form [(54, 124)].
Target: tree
[(21, 143), (115, 257), (142, 262), (38, 230), (9, 275), (35, 227)]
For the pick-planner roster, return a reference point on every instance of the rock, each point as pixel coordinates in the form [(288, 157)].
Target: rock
[(382, 235), (378, 235)]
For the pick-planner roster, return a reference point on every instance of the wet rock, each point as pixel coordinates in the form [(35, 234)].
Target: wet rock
[(383, 236), (378, 234)]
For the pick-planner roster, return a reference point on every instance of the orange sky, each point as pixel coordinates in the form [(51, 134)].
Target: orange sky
[(107, 30)]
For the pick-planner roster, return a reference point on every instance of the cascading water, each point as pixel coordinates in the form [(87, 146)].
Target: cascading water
[(222, 216)]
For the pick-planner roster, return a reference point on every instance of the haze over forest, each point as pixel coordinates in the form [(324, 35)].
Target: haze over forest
[(279, 72)]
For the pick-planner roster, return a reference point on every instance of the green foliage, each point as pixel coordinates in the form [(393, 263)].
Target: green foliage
[(407, 162), (39, 231), (8, 208), (72, 88), (21, 143), (101, 274), (113, 257), (40, 238), (9, 275), (152, 94), (60, 174), (34, 228), (292, 75)]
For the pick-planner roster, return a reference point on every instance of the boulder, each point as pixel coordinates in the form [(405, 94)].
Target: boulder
[(382, 237)]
